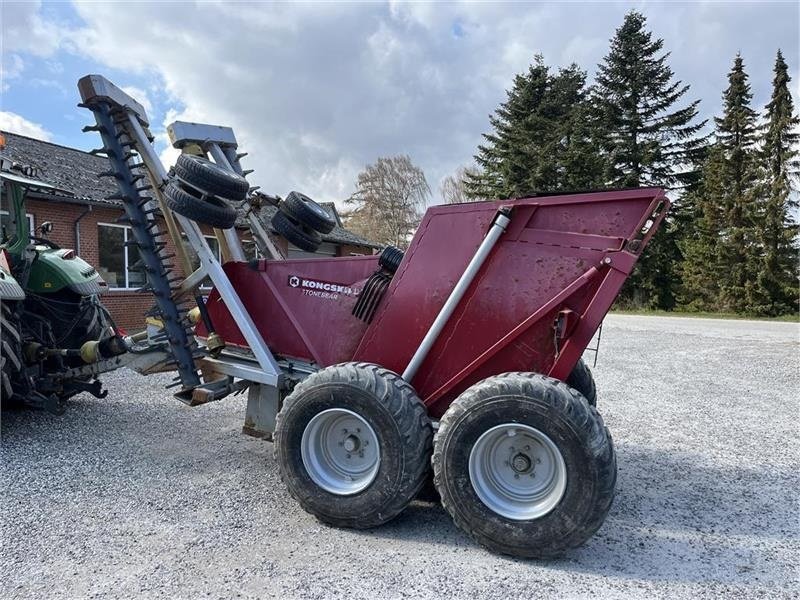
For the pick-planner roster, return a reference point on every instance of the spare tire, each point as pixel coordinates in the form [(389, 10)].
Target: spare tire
[(304, 210), (209, 177), (208, 210), (302, 237)]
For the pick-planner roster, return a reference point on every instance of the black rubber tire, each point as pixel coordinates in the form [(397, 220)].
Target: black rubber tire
[(307, 212), (400, 422), (581, 379), (211, 178), (208, 210), (11, 363), (577, 430), (302, 237), (428, 491), (390, 258)]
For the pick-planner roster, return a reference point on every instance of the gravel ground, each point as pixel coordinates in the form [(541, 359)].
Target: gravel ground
[(139, 496)]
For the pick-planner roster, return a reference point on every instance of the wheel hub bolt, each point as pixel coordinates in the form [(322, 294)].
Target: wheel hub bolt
[(351, 443), (520, 463)]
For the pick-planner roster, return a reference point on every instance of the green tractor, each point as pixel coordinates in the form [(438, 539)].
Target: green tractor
[(56, 336)]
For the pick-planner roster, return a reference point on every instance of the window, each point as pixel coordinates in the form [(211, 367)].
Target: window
[(325, 250), (251, 250), (117, 261), (7, 231), (212, 243)]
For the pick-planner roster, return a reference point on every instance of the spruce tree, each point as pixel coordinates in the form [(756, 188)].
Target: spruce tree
[(648, 140), (700, 243), (537, 138), (778, 273), (736, 135)]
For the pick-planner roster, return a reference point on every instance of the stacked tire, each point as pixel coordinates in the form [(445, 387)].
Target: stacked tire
[(302, 221), (202, 191)]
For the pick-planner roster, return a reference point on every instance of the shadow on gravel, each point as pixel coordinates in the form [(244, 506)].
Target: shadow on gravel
[(675, 518)]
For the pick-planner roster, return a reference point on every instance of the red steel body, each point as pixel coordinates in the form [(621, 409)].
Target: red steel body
[(533, 306)]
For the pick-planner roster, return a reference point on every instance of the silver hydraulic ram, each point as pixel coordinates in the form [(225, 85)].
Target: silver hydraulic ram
[(501, 221)]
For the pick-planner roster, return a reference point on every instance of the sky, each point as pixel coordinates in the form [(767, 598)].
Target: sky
[(316, 91)]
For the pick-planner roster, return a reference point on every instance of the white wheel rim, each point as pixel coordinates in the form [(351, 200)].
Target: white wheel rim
[(340, 451), (517, 472)]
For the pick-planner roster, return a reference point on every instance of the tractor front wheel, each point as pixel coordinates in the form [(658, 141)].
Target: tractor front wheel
[(353, 444), (525, 465)]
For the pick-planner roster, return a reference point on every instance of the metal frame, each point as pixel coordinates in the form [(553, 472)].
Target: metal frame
[(220, 143), (210, 267)]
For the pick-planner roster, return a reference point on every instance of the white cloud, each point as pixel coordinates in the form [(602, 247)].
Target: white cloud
[(15, 123), (11, 67), (315, 91), (141, 96)]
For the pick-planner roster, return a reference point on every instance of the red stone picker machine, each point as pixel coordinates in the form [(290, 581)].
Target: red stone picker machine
[(480, 326)]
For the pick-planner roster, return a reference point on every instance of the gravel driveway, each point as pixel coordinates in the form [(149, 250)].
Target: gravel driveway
[(138, 496)]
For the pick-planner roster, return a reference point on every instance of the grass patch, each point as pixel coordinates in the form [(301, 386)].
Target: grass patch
[(793, 318)]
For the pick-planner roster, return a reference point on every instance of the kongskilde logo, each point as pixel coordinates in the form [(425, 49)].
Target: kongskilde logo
[(324, 289)]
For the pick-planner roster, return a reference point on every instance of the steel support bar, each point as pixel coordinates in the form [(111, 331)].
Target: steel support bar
[(192, 281), (210, 265), (267, 247), (158, 178), (235, 250), (234, 304), (499, 225)]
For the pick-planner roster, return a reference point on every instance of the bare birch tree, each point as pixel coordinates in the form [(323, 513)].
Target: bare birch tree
[(388, 200), (453, 190)]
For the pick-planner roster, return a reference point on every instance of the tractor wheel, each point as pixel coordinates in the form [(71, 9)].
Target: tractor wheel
[(353, 443), (307, 212), (524, 465), (211, 178), (302, 237), (11, 364), (581, 379), (209, 210)]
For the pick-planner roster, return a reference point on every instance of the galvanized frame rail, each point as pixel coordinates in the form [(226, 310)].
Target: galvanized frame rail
[(210, 267)]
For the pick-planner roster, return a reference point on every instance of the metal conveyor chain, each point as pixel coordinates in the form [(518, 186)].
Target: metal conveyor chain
[(120, 148)]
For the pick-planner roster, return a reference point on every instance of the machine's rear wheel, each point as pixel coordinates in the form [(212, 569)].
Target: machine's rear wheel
[(303, 237), (353, 444), (581, 379), (524, 465)]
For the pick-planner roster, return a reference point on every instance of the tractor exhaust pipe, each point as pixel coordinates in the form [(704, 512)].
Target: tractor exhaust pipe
[(501, 221)]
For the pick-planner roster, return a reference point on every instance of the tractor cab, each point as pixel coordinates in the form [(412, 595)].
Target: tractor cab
[(41, 265)]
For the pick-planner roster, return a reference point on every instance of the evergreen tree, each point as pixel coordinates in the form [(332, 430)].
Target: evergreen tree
[(537, 138), (700, 243), (778, 273), (736, 135), (648, 140)]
